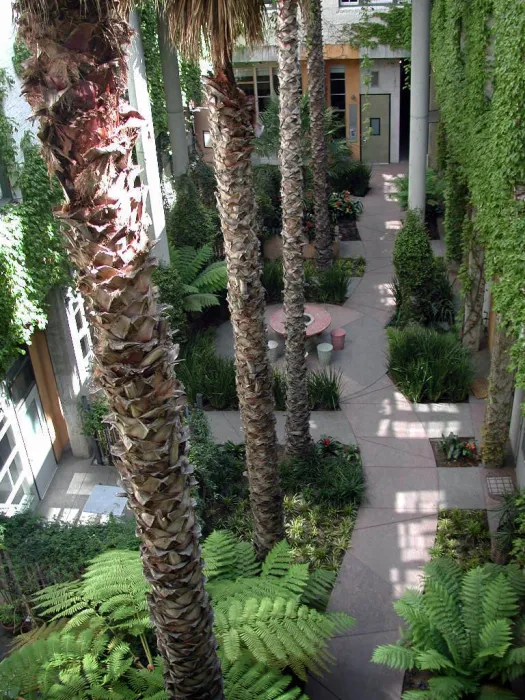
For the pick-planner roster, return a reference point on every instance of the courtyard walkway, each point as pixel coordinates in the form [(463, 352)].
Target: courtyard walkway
[(397, 525)]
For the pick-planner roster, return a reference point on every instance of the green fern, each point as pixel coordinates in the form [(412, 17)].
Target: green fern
[(464, 628), (262, 622), (201, 280)]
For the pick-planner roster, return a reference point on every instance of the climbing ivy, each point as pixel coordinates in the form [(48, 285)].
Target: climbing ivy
[(32, 256), (190, 81), (389, 28), (150, 44), (7, 126), (20, 54), (478, 53)]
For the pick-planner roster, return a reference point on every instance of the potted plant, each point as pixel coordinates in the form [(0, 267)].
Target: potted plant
[(346, 210), (12, 618)]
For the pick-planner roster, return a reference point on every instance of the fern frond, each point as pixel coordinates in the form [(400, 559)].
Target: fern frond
[(417, 695), (278, 560), (189, 261), (432, 660), (500, 600), (199, 302), (394, 656), (451, 687), (472, 592), (494, 639), (244, 680), (318, 589), (213, 278)]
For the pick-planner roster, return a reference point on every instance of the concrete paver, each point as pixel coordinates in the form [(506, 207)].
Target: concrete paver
[(461, 487)]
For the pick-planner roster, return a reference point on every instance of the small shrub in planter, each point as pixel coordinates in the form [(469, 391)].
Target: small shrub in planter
[(332, 474), (356, 178), (428, 366), (466, 629), (434, 192), (325, 389), (463, 535), (328, 286), (272, 280), (343, 206), (456, 449)]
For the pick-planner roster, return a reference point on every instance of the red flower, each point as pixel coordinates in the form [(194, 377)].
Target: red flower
[(326, 442)]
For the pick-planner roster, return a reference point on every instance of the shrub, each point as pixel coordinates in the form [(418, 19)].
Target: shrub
[(455, 448), (465, 628), (268, 618), (429, 366), (356, 179), (332, 474), (41, 552), (434, 192), (463, 535), (272, 280), (327, 286), (422, 289), (325, 389), (267, 186), (510, 536), (204, 372), (342, 204), (190, 222), (171, 293)]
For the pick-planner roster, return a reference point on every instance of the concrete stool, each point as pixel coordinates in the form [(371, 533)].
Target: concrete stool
[(338, 338), (273, 350), (324, 353)]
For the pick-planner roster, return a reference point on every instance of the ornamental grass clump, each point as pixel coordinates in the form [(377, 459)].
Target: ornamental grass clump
[(429, 366)]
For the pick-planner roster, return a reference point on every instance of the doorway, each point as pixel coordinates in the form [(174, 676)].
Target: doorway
[(375, 127), (404, 109), (23, 392)]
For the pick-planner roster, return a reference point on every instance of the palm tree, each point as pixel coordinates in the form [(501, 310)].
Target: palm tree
[(290, 159), (316, 88), (232, 118), (75, 83)]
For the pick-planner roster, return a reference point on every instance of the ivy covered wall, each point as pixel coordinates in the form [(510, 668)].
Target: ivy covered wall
[(478, 55)]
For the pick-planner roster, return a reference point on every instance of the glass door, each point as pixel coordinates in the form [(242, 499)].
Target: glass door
[(32, 423)]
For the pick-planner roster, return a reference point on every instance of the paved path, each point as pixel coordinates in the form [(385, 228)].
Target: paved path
[(396, 526)]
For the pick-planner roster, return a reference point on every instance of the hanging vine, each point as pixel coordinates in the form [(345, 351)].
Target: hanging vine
[(478, 53), (32, 256)]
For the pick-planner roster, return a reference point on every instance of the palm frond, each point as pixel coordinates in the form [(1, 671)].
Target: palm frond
[(219, 23)]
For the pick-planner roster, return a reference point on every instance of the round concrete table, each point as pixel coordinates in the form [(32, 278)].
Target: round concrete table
[(317, 320)]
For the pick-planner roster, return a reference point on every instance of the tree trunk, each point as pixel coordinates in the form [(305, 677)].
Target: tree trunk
[(231, 122), (499, 402), (316, 91), (75, 84), (474, 294), (298, 438)]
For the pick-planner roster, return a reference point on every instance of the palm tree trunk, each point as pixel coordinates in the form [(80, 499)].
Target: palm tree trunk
[(75, 84), (317, 101), (231, 122), (298, 438), (499, 402)]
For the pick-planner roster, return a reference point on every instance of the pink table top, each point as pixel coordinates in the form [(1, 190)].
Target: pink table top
[(322, 320)]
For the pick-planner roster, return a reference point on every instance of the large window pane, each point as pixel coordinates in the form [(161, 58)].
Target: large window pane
[(5, 488), (7, 443), (16, 468), (338, 98)]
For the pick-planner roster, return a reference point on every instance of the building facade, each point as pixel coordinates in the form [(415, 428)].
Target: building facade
[(373, 110)]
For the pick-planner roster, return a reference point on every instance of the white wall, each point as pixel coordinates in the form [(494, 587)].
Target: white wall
[(15, 105), (389, 82), (336, 17)]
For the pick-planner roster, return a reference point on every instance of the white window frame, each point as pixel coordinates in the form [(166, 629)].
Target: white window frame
[(74, 306), (7, 410), (348, 3), (274, 70)]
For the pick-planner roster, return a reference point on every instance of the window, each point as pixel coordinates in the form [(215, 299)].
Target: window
[(375, 126), (206, 138), (79, 330), (260, 81), (338, 98), (374, 78), (347, 3)]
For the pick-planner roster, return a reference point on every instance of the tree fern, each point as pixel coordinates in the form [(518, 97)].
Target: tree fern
[(262, 623), (464, 628)]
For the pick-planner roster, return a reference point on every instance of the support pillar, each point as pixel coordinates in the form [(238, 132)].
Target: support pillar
[(419, 99), (174, 106), (145, 148)]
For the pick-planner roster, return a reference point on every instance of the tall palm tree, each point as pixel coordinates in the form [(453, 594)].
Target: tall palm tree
[(75, 83), (290, 160), (317, 98), (232, 118)]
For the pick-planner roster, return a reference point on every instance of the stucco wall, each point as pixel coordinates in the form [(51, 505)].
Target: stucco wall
[(389, 82)]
